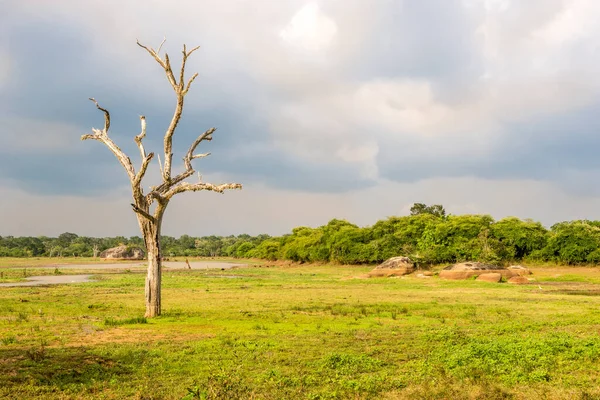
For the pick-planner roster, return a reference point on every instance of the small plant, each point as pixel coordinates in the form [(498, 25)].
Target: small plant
[(22, 317), (195, 393), (37, 354), (130, 321), (8, 340), (57, 271)]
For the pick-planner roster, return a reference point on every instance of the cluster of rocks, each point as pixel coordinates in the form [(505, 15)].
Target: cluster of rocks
[(485, 272), (395, 266), (123, 253), (399, 266)]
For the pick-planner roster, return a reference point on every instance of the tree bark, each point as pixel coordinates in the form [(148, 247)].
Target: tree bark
[(153, 277)]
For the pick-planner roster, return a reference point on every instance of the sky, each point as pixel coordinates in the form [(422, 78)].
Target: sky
[(350, 109)]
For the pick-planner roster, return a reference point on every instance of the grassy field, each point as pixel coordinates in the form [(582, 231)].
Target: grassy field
[(303, 333)]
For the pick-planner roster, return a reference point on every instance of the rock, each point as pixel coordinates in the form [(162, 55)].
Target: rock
[(123, 253), (520, 270), (493, 277), (428, 273), (468, 270), (423, 276), (395, 266), (518, 280)]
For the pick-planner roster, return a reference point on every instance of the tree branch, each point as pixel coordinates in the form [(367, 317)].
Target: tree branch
[(181, 90), (189, 170), (187, 88), (161, 45), (163, 63), (143, 213), (194, 187), (140, 175), (102, 136), (190, 154), (153, 53), (138, 138), (106, 116)]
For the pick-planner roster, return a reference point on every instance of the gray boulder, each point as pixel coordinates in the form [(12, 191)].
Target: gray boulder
[(468, 270), (395, 266), (123, 253)]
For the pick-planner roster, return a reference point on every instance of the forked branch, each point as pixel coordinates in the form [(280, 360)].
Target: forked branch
[(181, 90), (187, 160), (102, 136)]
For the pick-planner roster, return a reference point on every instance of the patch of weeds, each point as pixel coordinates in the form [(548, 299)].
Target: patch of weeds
[(8, 340), (97, 307), (363, 311), (129, 321), (222, 385), (513, 360), (57, 271), (37, 354), (350, 363), (260, 327), (195, 392)]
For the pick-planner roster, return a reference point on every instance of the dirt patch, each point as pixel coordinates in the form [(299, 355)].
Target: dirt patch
[(91, 337)]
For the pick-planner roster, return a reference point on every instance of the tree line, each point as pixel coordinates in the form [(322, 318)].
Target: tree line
[(428, 235)]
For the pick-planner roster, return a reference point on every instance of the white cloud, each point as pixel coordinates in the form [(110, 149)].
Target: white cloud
[(310, 29), (530, 60)]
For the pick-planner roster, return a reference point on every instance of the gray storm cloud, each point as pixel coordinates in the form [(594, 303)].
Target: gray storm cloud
[(326, 100)]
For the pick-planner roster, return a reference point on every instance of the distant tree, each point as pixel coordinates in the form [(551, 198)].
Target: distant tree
[(420, 208), (573, 242), (65, 239), (519, 238), (150, 207)]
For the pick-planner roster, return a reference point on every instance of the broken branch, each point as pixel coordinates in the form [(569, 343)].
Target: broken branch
[(138, 138), (102, 136), (195, 187), (143, 213), (190, 154), (106, 116)]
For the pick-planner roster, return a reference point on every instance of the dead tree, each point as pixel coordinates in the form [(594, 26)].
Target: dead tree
[(96, 250), (150, 207)]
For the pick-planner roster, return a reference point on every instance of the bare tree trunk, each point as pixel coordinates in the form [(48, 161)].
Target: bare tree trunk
[(153, 277)]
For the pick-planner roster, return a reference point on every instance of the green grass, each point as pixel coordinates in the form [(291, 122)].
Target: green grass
[(301, 333)]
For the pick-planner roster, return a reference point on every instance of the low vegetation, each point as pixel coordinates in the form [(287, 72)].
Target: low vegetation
[(428, 235), (303, 332)]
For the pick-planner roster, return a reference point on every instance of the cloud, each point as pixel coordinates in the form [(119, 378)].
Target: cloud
[(310, 29), (323, 97)]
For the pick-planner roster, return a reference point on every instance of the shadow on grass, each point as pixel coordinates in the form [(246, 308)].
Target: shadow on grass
[(59, 368)]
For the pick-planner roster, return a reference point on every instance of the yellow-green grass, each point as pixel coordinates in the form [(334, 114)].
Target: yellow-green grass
[(303, 332)]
